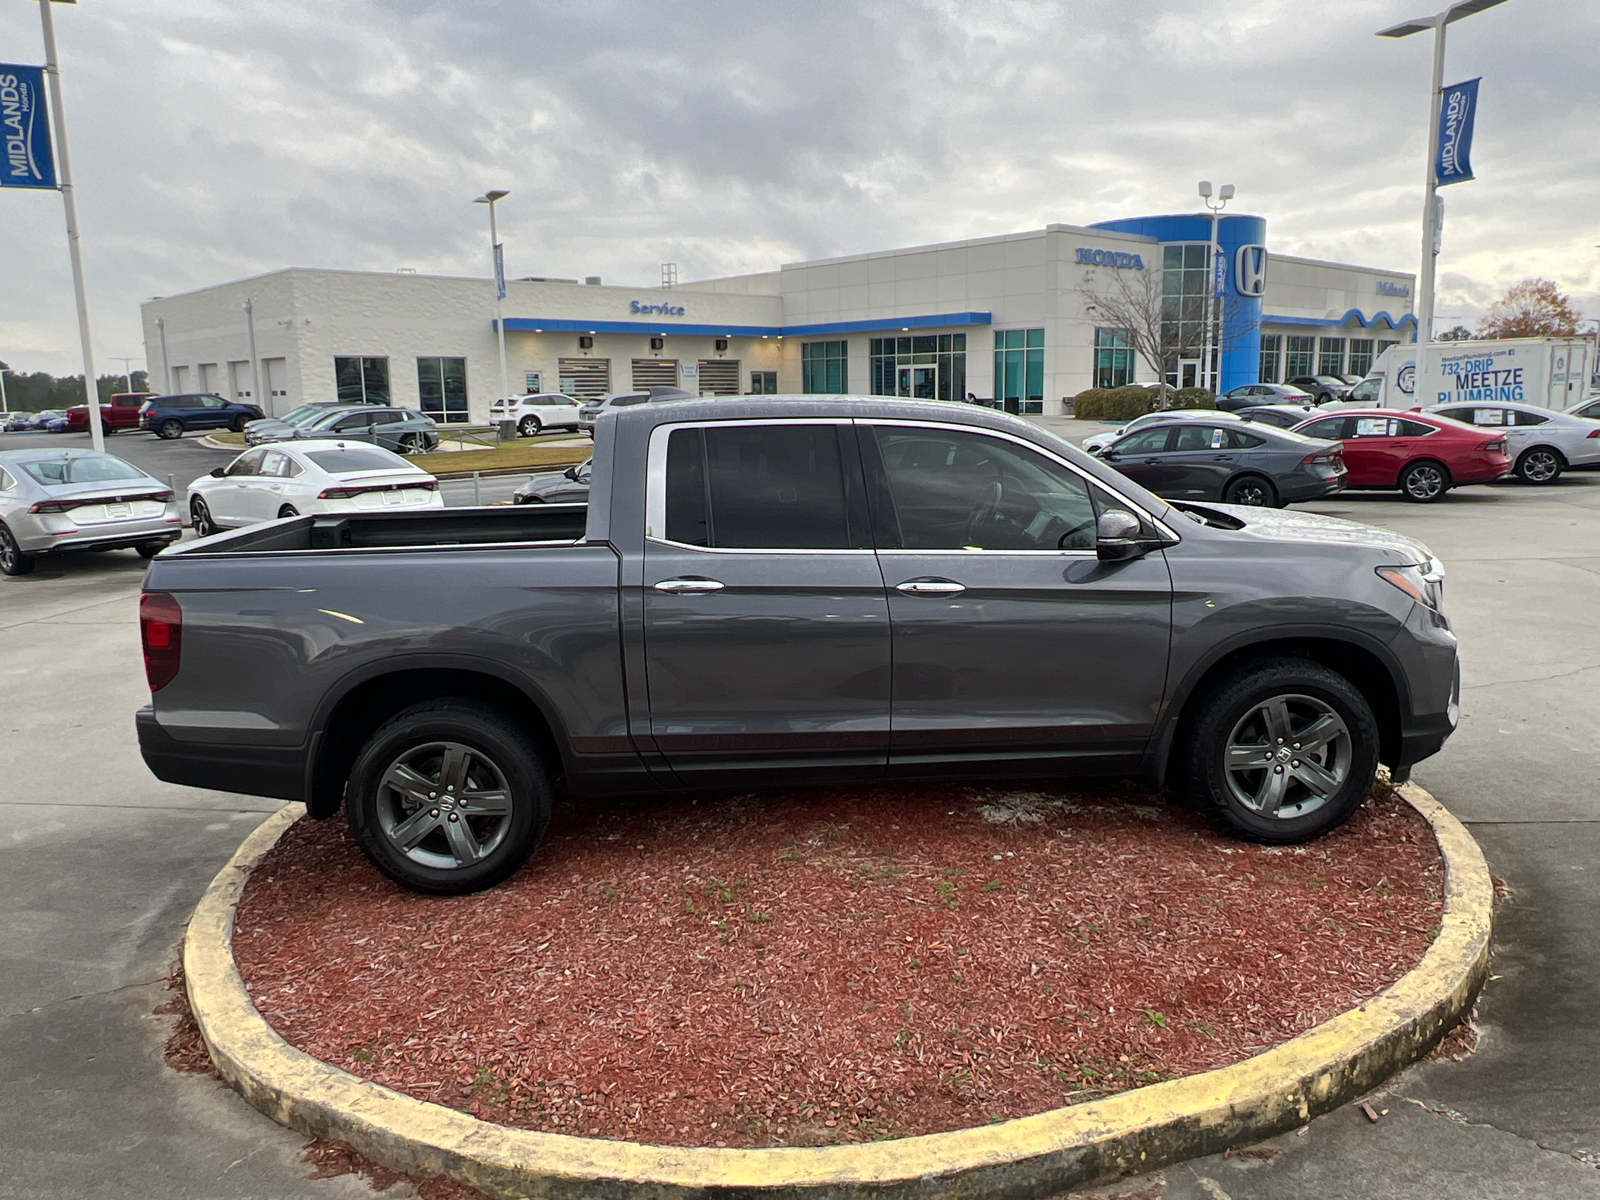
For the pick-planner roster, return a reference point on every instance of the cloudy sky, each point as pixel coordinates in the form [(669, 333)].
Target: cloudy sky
[(216, 139)]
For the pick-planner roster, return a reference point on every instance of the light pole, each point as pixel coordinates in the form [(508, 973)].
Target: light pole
[(166, 366), (1209, 370), (497, 257), (58, 113), (127, 367), (4, 407), (1430, 211)]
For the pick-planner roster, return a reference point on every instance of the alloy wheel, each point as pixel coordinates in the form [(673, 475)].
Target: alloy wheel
[(1424, 482), (444, 805), (1288, 756), (1251, 492), (200, 518), (1539, 466)]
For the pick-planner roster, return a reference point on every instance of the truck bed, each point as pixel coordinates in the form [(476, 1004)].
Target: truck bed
[(560, 523)]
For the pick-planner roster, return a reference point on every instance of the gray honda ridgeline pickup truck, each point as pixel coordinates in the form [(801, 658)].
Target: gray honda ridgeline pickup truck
[(792, 590)]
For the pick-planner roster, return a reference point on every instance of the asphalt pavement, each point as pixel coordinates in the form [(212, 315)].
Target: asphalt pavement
[(100, 864)]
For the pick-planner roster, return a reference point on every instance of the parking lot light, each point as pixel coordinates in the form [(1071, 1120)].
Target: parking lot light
[(1430, 215)]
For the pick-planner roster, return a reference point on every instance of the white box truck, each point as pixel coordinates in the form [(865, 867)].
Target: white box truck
[(1551, 372)]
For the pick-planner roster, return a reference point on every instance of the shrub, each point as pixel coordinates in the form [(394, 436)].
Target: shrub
[(1113, 404), (1192, 397)]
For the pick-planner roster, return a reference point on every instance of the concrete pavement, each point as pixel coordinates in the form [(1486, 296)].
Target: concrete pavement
[(100, 865)]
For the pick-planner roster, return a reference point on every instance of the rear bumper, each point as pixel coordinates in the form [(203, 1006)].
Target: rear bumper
[(122, 536), (275, 771)]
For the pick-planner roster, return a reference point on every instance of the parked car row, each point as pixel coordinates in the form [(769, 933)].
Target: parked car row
[(592, 408), (402, 430), (51, 420)]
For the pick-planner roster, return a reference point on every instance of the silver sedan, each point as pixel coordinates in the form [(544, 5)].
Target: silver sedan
[(55, 500), (1541, 442)]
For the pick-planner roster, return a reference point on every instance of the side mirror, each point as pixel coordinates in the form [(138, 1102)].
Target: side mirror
[(571, 473), (1117, 536), (1106, 454), (218, 472)]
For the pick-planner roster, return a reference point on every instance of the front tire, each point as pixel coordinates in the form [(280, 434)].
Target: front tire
[(1252, 490), (1539, 465), (448, 797), (1424, 482), (12, 560), (529, 426), (200, 518), (239, 423), (169, 429), (1282, 750)]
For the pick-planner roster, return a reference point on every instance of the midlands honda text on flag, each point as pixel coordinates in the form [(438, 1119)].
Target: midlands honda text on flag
[(28, 161)]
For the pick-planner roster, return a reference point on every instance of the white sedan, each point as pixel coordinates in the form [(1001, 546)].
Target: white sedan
[(1540, 442), (313, 477)]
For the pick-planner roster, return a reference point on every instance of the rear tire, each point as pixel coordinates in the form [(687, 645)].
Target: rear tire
[(1539, 465), (404, 806), (1282, 750), (12, 560), (169, 429), (151, 549), (1424, 482), (529, 426), (411, 443), (1253, 490), (288, 510)]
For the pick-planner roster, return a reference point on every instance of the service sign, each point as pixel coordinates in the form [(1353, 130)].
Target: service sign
[(28, 162)]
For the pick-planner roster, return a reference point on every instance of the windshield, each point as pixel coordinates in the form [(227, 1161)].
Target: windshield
[(305, 412), (82, 468), (364, 458)]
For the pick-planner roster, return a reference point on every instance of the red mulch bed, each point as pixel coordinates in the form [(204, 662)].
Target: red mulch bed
[(822, 966)]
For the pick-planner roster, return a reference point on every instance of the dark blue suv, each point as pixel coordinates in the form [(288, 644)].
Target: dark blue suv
[(173, 416)]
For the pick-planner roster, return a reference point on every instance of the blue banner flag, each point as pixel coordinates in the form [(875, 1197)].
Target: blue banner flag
[(28, 161), (1458, 108), (500, 269)]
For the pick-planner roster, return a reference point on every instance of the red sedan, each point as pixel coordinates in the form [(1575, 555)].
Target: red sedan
[(1422, 454)]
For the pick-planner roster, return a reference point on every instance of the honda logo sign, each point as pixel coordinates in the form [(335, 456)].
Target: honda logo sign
[(1250, 270)]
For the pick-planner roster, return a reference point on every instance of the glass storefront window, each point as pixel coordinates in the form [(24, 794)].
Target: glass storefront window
[(1360, 356), (1185, 274), (361, 380), (763, 383), (1301, 358), (824, 368), (442, 385), (1271, 355), (1384, 345), (1113, 358), (1019, 370), (928, 366), (1331, 359)]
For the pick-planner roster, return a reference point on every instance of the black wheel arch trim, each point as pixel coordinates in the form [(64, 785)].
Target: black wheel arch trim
[(320, 804), (1158, 754)]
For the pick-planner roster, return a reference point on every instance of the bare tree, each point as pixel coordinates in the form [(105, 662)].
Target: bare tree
[(1133, 304)]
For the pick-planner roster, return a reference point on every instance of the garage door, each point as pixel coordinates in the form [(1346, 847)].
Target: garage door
[(719, 377), (654, 372), (584, 376)]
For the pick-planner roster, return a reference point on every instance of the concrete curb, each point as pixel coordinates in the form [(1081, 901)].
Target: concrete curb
[(1035, 1156)]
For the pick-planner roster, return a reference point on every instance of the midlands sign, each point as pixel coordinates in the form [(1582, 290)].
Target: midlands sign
[(24, 129), (1458, 108)]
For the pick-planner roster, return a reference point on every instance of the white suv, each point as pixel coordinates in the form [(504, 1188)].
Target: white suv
[(534, 414)]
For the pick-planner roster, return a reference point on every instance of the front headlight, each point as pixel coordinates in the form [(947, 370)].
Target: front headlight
[(1423, 582)]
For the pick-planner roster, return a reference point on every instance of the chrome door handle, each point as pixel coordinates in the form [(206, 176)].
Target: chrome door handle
[(688, 586), (931, 587)]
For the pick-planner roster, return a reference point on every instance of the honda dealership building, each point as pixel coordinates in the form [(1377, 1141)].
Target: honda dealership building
[(1020, 319)]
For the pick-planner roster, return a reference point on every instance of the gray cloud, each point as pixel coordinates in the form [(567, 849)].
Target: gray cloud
[(213, 140)]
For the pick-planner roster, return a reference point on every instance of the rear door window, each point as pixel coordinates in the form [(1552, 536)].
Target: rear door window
[(760, 487), (1372, 427), (1489, 416)]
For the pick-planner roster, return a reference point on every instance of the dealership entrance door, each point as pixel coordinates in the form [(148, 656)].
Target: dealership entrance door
[(1188, 373), (920, 383)]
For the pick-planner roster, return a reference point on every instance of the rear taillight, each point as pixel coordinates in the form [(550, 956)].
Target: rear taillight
[(1595, 434), (161, 631), (344, 493), (339, 493), (61, 506), (1497, 446)]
